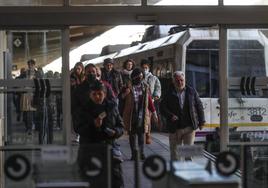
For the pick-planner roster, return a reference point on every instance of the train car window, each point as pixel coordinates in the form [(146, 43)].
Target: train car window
[(162, 71), (202, 67), (169, 70), (157, 71)]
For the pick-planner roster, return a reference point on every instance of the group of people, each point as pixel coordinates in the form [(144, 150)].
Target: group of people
[(128, 90), (107, 102)]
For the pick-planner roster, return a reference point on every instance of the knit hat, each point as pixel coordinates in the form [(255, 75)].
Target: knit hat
[(108, 60)]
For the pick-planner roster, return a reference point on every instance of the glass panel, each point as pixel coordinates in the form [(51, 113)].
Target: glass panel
[(245, 2), (105, 2), (31, 2), (254, 162), (34, 107), (182, 2), (247, 69), (197, 52), (56, 166)]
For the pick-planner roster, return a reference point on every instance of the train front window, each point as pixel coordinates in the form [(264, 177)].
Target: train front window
[(246, 58)]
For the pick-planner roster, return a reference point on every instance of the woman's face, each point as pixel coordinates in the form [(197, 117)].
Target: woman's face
[(97, 96), (79, 70)]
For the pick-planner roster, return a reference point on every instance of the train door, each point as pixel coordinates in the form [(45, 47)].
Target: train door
[(202, 73)]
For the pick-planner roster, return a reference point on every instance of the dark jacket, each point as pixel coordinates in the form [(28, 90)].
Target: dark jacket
[(86, 128), (114, 78), (170, 106)]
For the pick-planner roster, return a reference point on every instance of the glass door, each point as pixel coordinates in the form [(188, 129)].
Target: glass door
[(31, 93), (248, 102)]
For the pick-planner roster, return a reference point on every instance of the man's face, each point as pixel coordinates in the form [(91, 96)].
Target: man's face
[(129, 66), (179, 81), (146, 68), (137, 79), (109, 66), (97, 96), (31, 66)]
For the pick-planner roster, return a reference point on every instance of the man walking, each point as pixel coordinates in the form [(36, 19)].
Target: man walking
[(184, 112)]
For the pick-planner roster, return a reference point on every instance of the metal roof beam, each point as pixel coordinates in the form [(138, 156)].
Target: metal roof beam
[(66, 16)]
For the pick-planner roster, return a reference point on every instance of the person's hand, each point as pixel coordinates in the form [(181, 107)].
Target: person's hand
[(156, 98), (109, 132), (155, 117), (201, 125), (174, 118), (98, 122)]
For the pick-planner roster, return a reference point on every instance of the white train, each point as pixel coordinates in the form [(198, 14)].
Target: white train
[(196, 51)]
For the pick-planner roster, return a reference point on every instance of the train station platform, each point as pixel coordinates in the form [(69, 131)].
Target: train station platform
[(159, 146)]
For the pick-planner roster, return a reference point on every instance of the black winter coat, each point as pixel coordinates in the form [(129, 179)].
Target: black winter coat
[(170, 106), (86, 128), (114, 79)]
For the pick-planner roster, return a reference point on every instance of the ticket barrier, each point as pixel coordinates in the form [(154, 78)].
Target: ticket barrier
[(192, 175), (58, 167)]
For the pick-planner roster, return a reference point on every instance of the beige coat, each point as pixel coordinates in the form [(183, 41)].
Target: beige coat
[(128, 109), (26, 101)]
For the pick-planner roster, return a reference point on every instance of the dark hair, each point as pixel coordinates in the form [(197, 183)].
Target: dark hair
[(31, 61), (137, 71), (145, 62), (129, 60), (90, 65), (108, 60), (97, 86)]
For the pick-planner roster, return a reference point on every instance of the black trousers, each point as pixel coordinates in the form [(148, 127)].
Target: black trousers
[(134, 133)]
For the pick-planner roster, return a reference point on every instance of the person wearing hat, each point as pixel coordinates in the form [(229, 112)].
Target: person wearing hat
[(137, 104), (111, 75)]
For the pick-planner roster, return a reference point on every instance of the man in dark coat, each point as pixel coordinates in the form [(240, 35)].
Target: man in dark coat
[(184, 112), (99, 123), (112, 76)]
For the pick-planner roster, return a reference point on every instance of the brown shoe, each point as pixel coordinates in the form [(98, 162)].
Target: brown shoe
[(148, 138)]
